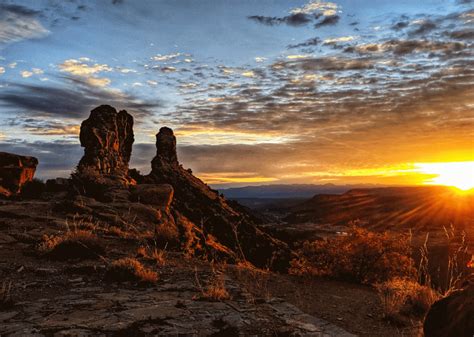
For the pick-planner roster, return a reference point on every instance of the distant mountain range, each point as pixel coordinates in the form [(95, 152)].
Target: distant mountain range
[(295, 191)]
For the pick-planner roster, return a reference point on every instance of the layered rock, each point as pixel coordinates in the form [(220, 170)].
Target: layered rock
[(107, 138), (452, 316), (215, 218), (15, 172)]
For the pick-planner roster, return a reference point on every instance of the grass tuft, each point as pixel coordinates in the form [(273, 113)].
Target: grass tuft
[(130, 270)]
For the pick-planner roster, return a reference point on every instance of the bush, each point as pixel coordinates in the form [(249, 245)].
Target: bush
[(405, 296), (75, 244), (130, 269), (214, 290), (360, 256)]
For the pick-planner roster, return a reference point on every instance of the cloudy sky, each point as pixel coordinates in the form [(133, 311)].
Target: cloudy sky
[(257, 91)]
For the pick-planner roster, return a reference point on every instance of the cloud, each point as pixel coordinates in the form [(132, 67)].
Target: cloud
[(161, 58), (74, 98), (83, 68), (405, 47), (34, 71), (19, 23), (464, 34), (308, 43), (300, 16), (317, 6), (327, 21), (424, 26), (291, 20)]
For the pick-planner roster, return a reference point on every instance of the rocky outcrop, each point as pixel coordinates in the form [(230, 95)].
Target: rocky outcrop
[(15, 172), (153, 194), (107, 138), (452, 316), (216, 219)]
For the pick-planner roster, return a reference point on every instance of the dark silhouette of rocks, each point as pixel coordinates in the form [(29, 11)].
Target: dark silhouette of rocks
[(210, 212), (452, 316), (107, 138), (15, 172)]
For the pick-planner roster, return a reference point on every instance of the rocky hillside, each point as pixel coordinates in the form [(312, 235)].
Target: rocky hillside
[(422, 208)]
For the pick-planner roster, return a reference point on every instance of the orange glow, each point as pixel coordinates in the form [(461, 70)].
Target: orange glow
[(456, 174)]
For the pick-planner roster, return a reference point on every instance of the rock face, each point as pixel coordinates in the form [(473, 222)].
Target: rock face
[(107, 138), (152, 194), (15, 172), (452, 316), (213, 215)]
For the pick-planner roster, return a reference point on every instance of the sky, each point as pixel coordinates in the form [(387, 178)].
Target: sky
[(257, 91)]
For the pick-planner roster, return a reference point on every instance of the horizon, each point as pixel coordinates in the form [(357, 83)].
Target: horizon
[(268, 93)]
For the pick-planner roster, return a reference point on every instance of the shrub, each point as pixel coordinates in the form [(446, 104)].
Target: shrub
[(360, 256), (215, 289), (130, 269), (405, 296), (152, 254), (75, 244)]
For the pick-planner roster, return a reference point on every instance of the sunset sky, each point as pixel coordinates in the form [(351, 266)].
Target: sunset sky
[(258, 92)]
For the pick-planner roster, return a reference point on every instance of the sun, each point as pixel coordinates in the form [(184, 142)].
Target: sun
[(456, 174)]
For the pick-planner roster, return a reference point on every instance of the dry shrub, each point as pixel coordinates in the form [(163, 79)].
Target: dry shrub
[(405, 296), (254, 280), (215, 289), (5, 295), (75, 244), (130, 269), (360, 256), (166, 233), (152, 254)]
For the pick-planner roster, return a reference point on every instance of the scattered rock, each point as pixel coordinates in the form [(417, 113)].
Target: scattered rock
[(453, 315), (15, 172)]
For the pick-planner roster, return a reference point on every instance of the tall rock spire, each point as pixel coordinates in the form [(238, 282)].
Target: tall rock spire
[(107, 138)]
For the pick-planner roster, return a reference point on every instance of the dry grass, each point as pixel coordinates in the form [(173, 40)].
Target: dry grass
[(152, 254), (73, 244), (360, 256), (407, 297), (5, 295), (254, 280), (214, 290), (130, 269)]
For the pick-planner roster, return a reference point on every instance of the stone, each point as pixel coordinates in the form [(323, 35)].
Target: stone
[(229, 226), (15, 172), (453, 315), (159, 195), (107, 138)]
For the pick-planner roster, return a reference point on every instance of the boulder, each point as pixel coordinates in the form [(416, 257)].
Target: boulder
[(15, 172), (159, 195), (452, 316)]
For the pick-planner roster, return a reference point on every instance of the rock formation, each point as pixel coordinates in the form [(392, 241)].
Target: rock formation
[(210, 212), (452, 316), (15, 172), (107, 138)]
